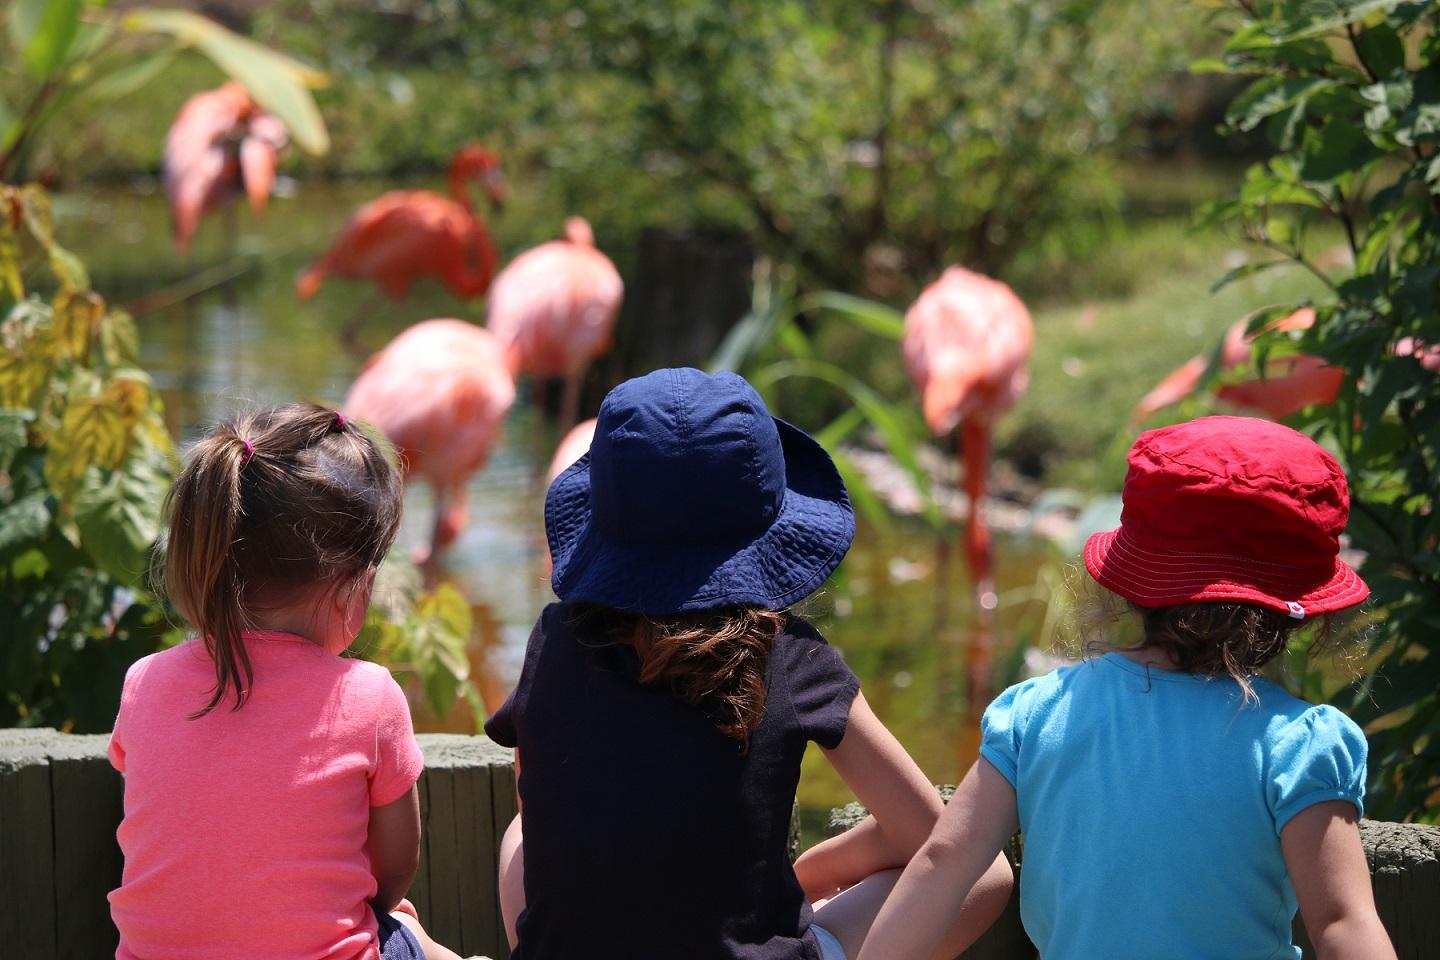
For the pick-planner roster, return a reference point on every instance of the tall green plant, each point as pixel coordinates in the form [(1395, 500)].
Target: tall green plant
[(1349, 93)]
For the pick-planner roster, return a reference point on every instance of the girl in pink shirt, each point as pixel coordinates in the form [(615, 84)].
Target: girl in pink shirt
[(270, 801)]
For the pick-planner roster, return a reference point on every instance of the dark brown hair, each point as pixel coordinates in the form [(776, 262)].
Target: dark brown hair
[(714, 659), (272, 500)]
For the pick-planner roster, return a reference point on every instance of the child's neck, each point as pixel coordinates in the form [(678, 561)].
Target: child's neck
[(1148, 657)]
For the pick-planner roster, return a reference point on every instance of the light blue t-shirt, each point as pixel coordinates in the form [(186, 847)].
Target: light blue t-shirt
[(1152, 804)]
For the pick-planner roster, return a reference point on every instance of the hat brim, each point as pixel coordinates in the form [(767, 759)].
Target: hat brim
[(789, 561), (1160, 578)]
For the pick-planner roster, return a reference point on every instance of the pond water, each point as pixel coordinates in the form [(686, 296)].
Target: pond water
[(222, 328)]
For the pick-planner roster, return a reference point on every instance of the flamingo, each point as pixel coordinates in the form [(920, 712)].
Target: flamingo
[(554, 309), (220, 144), (440, 391), (966, 344), (1290, 384), (406, 234)]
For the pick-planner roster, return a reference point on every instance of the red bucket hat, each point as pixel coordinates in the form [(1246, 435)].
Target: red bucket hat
[(1230, 509)]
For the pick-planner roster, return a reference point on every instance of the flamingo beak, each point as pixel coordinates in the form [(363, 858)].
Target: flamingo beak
[(258, 160), (496, 188)]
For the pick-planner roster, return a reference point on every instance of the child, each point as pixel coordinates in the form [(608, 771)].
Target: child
[(270, 803), (1174, 804), (664, 706)]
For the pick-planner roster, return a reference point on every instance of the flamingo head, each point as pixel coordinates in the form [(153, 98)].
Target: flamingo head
[(577, 231), (950, 390), (482, 163)]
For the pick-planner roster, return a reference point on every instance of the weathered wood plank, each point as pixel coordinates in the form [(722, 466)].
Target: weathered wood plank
[(506, 807), (475, 879), (27, 866), (88, 798), (443, 922)]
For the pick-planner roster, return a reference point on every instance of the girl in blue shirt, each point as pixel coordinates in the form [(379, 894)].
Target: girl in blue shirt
[(1175, 805)]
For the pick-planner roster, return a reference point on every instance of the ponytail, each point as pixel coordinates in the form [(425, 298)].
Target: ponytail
[(205, 509), (273, 501)]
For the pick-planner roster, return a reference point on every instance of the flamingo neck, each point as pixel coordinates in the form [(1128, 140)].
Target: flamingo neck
[(460, 190)]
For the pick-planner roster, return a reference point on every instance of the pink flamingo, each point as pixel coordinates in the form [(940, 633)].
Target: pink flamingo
[(404, 235), (554, 308), (967, 341), (1290, 384), (440, 391), (220, 144)]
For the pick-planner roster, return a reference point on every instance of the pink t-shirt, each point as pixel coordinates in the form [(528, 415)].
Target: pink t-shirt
[(244, 830)]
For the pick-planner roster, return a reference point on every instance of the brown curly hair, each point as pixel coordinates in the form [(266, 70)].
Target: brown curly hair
[(713, 659)]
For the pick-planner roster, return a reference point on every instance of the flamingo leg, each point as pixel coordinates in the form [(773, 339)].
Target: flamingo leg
[(570, 400), (975, 452)]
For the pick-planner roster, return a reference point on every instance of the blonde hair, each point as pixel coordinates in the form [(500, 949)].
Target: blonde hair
[(271, 501)]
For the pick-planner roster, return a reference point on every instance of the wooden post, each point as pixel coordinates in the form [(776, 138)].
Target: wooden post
[(27, 863)]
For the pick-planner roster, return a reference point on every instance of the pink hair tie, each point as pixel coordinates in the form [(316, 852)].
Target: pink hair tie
[(249, 451), (339, 425)]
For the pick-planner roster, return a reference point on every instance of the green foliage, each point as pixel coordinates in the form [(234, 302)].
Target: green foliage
[(422, 636), (873, 143), (85, 462), (73, 54), (1348, 92)]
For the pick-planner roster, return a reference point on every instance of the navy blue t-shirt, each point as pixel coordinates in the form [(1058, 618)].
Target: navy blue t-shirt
[(649, 834)]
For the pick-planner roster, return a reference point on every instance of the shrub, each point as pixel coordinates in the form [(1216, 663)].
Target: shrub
[(1349, 93)]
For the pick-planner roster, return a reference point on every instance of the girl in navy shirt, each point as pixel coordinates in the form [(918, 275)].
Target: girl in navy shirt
[(665, 704)]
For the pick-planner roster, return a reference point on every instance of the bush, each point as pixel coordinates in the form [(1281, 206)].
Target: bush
[(1349, 95)]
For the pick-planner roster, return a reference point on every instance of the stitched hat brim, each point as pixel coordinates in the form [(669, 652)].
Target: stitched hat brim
[(800, 549), (1156, 578)]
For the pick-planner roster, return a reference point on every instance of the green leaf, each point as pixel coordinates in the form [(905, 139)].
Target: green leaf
[(866, 314), (42, 31), (130, 76), (277, 82), (1338, 148), (118, 513), (14, 434), (438, 632), (1269, 96), (1382, 49), (1351, 13), (1246, 270), (23, 524)]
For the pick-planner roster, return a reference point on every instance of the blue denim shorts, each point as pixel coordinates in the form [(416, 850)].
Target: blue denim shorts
[(396, 940), (830, 948)]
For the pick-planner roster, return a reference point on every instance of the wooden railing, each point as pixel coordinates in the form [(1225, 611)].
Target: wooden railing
[(60, 803)]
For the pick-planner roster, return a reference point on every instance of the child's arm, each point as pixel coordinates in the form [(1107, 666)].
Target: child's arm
[(887, 781), (974, 828), (393, 847), (1322, 851)]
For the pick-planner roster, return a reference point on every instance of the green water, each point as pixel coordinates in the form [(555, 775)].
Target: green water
[(899, 609)]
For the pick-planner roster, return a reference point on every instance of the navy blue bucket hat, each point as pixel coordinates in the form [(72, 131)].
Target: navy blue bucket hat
[(694, 497)]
